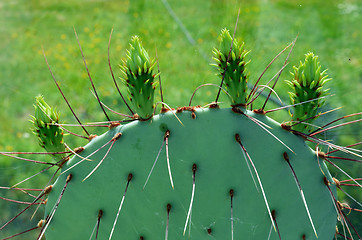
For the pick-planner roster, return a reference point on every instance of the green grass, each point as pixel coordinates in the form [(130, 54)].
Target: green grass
[(332, 30)]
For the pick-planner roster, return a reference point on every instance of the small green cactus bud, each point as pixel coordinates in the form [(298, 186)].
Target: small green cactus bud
[(234, 74), (138, 77), (307, 84), (45, 122)]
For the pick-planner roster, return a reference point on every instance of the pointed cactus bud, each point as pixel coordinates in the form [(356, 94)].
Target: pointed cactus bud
[(307, 84), (232, 71), (138, 77), (49, 134)]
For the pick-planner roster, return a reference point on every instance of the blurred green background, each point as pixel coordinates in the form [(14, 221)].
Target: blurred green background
[(184, 33)]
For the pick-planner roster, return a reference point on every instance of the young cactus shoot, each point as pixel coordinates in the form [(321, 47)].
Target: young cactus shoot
[(308, 80), (46, 128), (231, 65), (139, 78)]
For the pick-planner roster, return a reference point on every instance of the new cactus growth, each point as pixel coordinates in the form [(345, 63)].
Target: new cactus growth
[(195, 173), (307, 85), (231, 64), (139, 79), (201, 197), (50, 135)]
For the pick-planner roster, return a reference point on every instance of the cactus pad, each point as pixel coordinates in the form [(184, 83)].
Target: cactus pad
[(206, 165), (194, 173)]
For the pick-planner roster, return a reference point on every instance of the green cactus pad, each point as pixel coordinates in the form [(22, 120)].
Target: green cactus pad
[(200, 152), (232, 68)]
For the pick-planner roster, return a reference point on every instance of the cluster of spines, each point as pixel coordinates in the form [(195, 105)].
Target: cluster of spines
[(139, 78), (231, 66), (307, 84), (47, 129)]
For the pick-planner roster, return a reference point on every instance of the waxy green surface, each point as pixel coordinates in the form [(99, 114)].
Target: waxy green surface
[(209, 142)]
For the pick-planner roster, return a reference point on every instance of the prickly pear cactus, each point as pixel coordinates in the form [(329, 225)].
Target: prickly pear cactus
[(213, 169), (222, 172), (194, 172)]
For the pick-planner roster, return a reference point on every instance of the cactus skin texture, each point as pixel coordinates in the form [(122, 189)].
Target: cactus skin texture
[(221, 166), (193, 173)]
